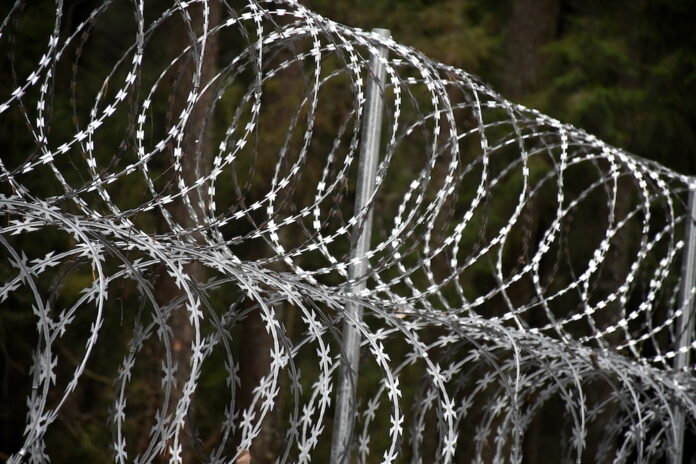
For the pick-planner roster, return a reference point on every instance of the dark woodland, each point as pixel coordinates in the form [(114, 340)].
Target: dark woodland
[(622, 70)]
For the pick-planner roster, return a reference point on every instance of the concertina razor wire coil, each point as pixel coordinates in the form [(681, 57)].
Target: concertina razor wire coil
[(164, 190)]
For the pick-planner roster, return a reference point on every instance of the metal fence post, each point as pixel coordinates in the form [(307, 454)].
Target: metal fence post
[(686, 321), (344, 417)]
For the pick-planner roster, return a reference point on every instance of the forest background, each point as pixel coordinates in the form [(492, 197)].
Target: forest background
[(624, 70)]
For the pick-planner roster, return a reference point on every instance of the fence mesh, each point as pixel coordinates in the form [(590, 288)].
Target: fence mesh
[(175, 175)]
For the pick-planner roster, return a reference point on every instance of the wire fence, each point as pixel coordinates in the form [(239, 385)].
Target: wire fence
[(514, 269)]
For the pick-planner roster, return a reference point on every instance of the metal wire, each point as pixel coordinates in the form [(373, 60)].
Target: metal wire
[(516, 261)]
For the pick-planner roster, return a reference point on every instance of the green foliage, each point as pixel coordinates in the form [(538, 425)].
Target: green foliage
[(625, 71)]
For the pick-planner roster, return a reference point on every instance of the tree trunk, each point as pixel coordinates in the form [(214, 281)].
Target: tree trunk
[(281, 95), (196, 160), (532, 24)]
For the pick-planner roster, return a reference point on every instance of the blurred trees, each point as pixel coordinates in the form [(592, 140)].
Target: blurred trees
[(625, 71)]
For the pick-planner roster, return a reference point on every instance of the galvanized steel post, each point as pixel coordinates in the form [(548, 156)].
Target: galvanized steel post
[(344, 416), (686, 320)]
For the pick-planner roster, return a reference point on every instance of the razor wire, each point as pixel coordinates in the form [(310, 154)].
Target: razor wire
[(515, 260)]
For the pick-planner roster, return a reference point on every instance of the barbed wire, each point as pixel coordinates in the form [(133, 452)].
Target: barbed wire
[(516, 261)]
